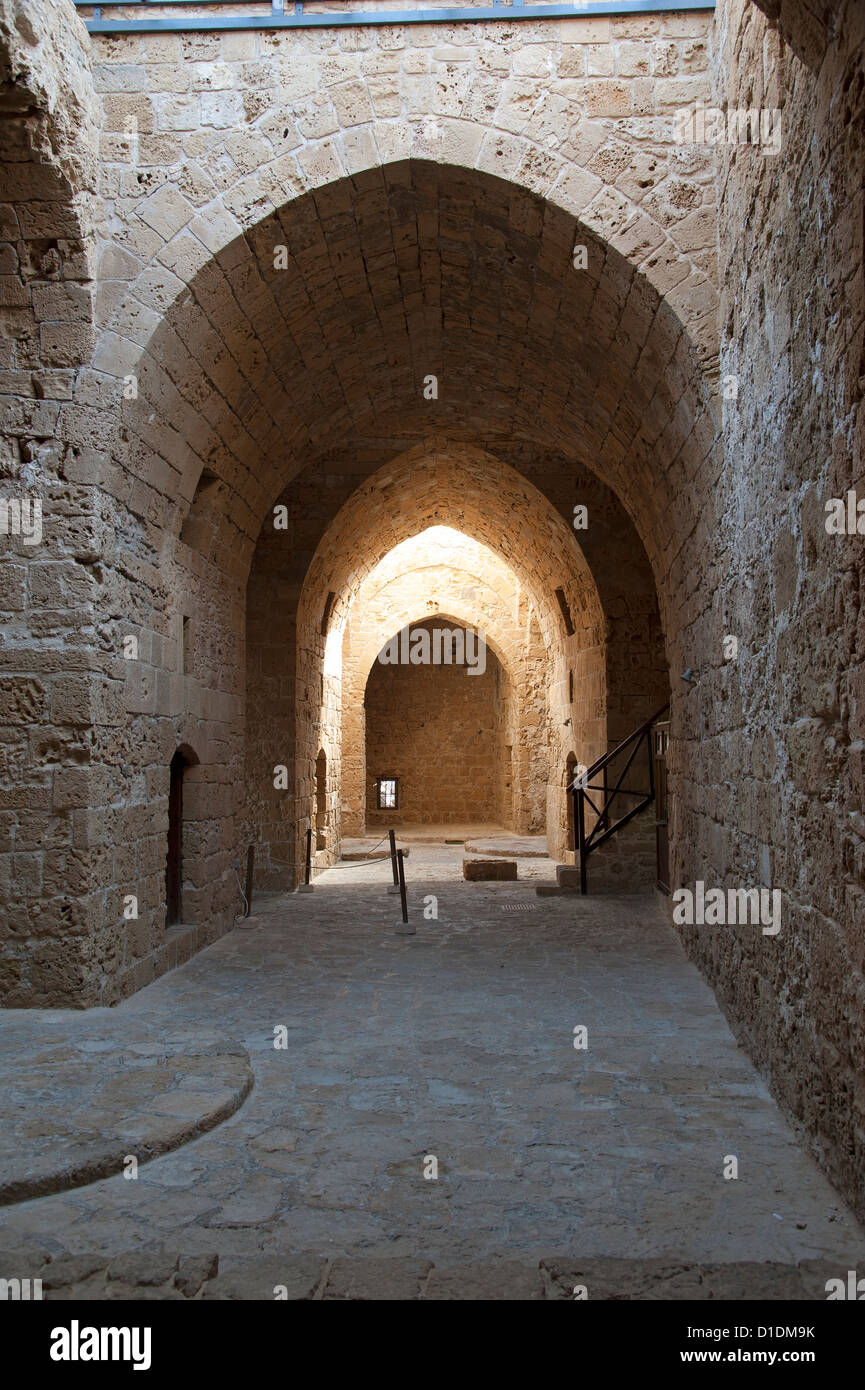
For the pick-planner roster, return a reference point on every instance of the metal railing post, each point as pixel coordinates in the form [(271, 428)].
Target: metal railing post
[(402, 892), (581, 840)]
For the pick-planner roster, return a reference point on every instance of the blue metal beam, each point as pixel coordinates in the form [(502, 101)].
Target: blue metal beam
[(298, 18)]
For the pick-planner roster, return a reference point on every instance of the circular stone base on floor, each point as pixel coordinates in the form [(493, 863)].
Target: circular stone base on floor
[(79, 1110)]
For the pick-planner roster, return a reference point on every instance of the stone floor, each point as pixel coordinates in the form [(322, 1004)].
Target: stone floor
[(554, 1164), (73, 1110)]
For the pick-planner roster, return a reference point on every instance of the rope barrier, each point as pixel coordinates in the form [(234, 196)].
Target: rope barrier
[(358, 863), (245, 913)]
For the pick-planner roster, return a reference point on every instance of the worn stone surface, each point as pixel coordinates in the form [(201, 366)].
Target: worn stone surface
[(78, 1110), (657, 1279), (364, 847), (157, 1273), (545, 1152), (790, 711)]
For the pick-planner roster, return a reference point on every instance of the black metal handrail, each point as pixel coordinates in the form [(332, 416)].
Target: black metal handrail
[(604, 827)]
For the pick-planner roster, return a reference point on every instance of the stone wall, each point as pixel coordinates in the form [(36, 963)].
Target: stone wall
[(774, 741), (60, 700)]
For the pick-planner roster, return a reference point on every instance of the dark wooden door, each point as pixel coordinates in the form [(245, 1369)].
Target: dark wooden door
[(174, 863), (661, 737)]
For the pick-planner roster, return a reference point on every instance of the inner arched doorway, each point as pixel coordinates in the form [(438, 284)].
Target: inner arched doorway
[(439, 730), (184, 758)]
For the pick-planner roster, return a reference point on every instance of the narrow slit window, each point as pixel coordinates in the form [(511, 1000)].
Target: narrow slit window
[(566, 612), (386, 794)]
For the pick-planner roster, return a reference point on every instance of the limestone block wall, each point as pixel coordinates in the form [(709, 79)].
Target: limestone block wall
[(637, 681), (60, 689), (776, 785), (270, 814), (241, 117)]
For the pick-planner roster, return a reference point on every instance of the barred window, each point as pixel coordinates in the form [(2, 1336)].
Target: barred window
[(386, 793)]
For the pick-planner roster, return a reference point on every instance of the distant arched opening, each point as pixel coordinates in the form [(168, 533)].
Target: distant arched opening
[(439, 731)]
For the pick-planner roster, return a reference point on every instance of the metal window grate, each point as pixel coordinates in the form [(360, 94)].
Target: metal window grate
[(387, 798)]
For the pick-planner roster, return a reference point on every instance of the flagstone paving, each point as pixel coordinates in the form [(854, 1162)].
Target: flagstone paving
[(455, 1044)]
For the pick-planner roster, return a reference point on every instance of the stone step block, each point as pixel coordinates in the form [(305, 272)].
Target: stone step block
[(483, 870)]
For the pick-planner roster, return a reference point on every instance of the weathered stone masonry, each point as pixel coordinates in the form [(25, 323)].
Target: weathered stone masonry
[(165, 387)]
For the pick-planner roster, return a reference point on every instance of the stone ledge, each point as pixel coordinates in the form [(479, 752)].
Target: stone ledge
[(516, 847), (72, 1112), (153, 1273), (486, 870)]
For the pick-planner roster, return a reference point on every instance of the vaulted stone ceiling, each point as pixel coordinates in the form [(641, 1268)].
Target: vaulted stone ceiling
[(395, 276), (482, 497)]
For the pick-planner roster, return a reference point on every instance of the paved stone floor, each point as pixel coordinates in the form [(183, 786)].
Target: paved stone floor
[(455, 1042)]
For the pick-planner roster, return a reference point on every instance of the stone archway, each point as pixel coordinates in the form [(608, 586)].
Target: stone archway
[(519, 650), (438, 731), (485, 499), (634, 408)]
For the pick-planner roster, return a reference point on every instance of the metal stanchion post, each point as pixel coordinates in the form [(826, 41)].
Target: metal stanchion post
[(581, 839), (394, 887), (306, 886), (403, 928)]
